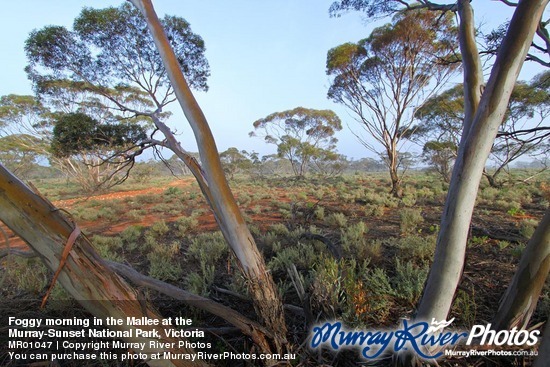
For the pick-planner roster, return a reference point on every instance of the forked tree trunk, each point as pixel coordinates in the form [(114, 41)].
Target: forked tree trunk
[(84, 276), (474, 150), (262, 288), (520, 300)]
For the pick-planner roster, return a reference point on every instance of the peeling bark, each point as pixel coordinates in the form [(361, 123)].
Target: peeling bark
[(84, 276)]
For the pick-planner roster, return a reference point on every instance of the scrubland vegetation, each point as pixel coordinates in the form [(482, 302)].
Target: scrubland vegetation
[(338, 247)]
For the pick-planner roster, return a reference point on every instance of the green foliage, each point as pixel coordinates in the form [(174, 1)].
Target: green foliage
[(110, 45), (136, 214), (517, 251), (349, 289), (279, 229), (442, 116), (184, 225), (173, 191), (107, 213), (465, 307), (353, 240), (75, 133), (416, 248), (24, 132), (235, 161), (302, 255), (301, 135), (408, 200), (515, 211), (319, 212), (336, 220), (527, 228), (130, 236), (163, 262), (208, 248), (410, 219), (146, 199), (86, 214), (375, 210), (199, 283), (327, 286), (108, 247), (107, 75), (367, 78), (158, 229), (409, 280), (29, 275)]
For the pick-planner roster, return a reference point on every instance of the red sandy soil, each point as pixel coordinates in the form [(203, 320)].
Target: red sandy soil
[(16, 242), (206, 221)]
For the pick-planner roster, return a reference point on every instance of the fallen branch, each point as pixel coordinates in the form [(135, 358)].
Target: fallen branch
[(246, 326), (85, 276)]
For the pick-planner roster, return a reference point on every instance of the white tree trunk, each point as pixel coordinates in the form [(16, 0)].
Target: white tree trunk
[(232, 224), (471, 64), (474, 150)]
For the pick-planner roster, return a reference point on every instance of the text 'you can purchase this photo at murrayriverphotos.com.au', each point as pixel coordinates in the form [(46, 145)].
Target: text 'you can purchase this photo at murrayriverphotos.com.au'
[(62, 340)]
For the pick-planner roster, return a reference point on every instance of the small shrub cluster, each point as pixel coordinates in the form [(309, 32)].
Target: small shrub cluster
[(108, 247), (164, 262), (336, 220), (410, 219), (184, 225), (353, 240), (416, 247), (362, 295), (206, 249), (301, 255), (29, 275)]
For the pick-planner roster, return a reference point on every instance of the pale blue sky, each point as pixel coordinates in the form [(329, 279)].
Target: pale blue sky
[(265, 56)]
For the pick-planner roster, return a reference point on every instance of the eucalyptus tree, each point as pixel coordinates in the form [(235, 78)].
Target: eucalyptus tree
[(523, 132), (235, 160), (302, 135), (484, 111), (384, 78), (24, 132), (116, 48), (92, 151)]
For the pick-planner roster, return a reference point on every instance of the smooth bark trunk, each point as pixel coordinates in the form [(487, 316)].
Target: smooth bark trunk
[(262, 288), (520, 300), (84, 276), (393, 168), (446, 270), (471, 63)]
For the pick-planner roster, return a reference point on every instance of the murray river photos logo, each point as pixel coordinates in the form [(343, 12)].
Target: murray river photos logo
[(427, 340)]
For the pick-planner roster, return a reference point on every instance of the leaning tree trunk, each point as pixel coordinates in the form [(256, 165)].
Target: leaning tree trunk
[(84, 275), (474, 150), (520, 300), (214, 184)]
